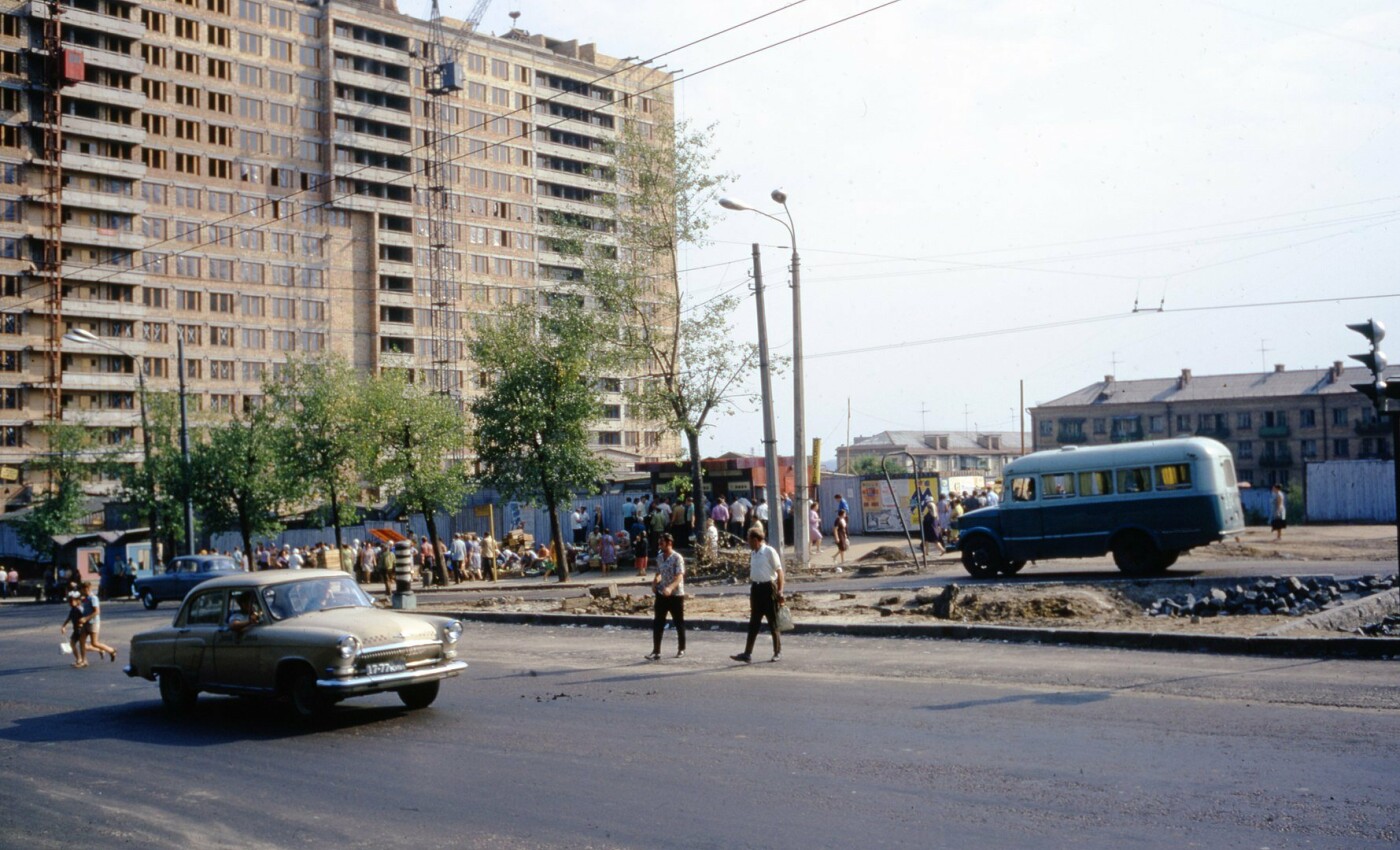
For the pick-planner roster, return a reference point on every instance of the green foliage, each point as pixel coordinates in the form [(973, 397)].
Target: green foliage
[(238, 475), (65, 464), (419, 439), (870, 465), (326, 436), (155, 487), (531, 423)]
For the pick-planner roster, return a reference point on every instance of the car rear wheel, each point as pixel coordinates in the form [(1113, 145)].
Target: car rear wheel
[(1136, 554), (175, 692), (980, 558), (148, 600), (419, 696), (308, 702)]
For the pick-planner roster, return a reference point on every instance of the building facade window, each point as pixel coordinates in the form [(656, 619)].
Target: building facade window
[(1307, 418), (1245, 450), (1339, 415), (1341, 448)]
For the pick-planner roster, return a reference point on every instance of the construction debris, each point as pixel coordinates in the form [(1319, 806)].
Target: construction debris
[(1292, 596)]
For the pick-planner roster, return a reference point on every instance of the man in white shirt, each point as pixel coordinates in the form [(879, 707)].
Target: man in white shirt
[(765, 594), (459, 557)]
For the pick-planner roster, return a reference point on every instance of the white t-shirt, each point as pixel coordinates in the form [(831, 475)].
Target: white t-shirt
[(764, 564)]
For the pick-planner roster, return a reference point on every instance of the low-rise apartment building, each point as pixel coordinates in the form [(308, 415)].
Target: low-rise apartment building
[(1273, 422), (947, 452)]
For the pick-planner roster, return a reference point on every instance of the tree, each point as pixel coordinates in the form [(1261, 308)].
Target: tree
[(531, 423), (239, 478), (420, 438), (692, 367), (326, 433), (64, 466), (155, 487)]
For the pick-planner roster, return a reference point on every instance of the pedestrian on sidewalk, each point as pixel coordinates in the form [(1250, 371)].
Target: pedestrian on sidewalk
[(1278, 516), (765, 594), (814, 523), (639, 553), (669, 587), (929, 527), (842, 534)]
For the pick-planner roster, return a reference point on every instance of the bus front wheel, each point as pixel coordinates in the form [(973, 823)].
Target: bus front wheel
[(1136, 554), (980, 558)]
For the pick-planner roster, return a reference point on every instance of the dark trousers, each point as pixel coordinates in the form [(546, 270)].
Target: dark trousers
[(675, 606), (763, 602)]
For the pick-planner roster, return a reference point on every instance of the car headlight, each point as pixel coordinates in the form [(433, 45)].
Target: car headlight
[(349, 646), (452, 632)]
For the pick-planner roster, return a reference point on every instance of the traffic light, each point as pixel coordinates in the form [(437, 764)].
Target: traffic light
[(1385, 395)]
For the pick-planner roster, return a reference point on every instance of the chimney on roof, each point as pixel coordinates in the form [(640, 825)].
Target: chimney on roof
[(1335, 373), (1108, 379), (1278, 367), (1184, 379)]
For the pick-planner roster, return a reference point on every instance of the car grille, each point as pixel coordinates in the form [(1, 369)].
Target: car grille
[(413, 656)]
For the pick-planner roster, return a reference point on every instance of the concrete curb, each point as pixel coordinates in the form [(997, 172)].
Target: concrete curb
[(1289, 647)]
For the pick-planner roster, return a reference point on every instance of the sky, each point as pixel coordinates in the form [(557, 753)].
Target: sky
[(988, 193)]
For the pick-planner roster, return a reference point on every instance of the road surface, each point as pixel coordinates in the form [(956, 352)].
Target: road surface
[(565, 737)]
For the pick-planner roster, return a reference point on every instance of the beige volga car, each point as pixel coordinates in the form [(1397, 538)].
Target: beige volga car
[(312, 637)]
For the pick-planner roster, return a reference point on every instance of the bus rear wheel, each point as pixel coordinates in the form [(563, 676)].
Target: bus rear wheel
[(980, 558), (1136, 554)]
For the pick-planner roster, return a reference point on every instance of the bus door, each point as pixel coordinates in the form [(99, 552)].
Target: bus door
[(1022, 524)]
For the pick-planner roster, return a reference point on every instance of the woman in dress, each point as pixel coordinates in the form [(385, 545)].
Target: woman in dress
[(814, 525), (842, 534)]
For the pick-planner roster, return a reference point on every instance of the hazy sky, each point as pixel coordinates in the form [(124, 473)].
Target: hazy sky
[(963, 172)]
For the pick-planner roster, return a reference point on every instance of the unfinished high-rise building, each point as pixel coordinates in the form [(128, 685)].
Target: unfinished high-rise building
[(253, 178)]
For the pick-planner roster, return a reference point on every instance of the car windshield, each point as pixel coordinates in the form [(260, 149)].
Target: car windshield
[(293, 599)]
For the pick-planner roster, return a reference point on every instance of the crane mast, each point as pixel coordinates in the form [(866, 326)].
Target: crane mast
[(442, 77)]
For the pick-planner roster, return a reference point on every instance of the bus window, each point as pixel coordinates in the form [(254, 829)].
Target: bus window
[(1176, 476), (1096, 483), (1057, 486), (1227, 466), (1023, 489), (1135, 480)]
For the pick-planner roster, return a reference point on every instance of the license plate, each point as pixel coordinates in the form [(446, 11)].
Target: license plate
[(376, 668)]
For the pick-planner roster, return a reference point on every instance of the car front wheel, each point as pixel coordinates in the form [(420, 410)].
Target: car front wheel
[(419, 696), (308, 702), (148, 600)]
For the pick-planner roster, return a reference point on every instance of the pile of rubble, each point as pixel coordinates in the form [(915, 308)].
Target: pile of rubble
[(1389, 627), (1291, 596)]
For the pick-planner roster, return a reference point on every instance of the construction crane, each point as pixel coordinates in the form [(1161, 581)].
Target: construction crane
[(442, 77)]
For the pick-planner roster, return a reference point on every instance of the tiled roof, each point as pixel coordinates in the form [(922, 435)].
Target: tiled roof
[(1253, 385)]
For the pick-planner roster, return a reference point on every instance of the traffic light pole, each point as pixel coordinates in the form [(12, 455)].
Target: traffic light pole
[(1385, 395)]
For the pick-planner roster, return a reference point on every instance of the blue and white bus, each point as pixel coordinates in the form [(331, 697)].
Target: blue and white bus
[(1144, 502)]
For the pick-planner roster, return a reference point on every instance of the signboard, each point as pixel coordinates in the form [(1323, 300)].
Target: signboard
[(881, 508), (89, 562), (961, 484), (9, 473)]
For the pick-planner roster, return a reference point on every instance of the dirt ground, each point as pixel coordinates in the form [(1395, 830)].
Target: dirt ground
[(1079, 606)]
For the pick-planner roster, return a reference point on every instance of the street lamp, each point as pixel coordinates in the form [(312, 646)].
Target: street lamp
[(799, 417), (80, 335)]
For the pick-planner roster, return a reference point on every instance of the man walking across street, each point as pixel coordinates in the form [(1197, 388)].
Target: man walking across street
[(669, 586), (765, 594)]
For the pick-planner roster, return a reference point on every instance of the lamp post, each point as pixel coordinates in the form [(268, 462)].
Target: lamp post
[(799, 417), (81, 335)]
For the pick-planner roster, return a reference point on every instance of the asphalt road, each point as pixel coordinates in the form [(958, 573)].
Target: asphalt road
[(561, 737)]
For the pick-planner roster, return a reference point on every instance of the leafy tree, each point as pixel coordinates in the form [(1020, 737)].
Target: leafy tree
[(239, 478), (666, 194), (420, 438), (326, 434), (531, 423), (66, 463), (155, 487)]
